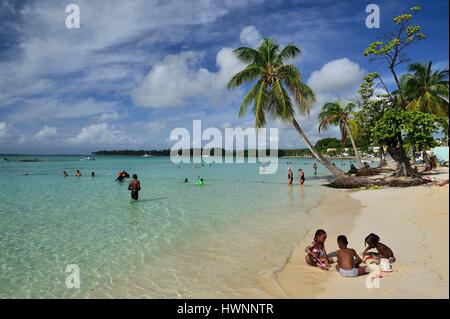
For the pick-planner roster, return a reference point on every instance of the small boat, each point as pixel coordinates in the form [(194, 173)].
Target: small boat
[(87, 159)]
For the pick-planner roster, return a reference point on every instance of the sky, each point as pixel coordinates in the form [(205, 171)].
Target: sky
[(135, 70)]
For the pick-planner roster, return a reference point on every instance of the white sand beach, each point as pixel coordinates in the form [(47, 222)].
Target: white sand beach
[(413, 221)]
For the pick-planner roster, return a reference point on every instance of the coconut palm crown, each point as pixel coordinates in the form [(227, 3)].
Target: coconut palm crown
[(334, 114), (277, 88), (426, 90)]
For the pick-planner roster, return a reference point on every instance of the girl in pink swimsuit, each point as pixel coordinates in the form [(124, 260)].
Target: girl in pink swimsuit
[(316, 255)]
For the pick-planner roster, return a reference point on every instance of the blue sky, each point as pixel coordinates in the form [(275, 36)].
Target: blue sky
[(136, 70)]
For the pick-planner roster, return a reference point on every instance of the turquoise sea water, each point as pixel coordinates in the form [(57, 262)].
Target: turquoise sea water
[(178, 240)]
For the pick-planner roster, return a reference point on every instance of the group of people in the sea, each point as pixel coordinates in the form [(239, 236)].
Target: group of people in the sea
[(77, 173), (301, 175), (348, 262)]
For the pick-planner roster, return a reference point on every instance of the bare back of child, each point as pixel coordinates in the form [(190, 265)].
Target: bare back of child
[(348, 260)]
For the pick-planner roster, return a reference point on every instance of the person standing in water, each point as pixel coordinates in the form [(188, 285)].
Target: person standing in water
[(78, 174), (315, 168), (134, 187), (302, 176), (290, 176)]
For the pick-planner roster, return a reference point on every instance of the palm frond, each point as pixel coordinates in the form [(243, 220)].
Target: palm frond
[(249, 74), (289, 52)]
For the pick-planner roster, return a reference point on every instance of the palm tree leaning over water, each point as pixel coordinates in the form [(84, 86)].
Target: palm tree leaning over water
[(278, 89), (335, 114)]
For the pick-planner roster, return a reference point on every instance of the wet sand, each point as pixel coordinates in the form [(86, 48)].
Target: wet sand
[(414, 222)]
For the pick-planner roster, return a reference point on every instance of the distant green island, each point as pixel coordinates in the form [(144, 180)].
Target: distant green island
[(323, 145)]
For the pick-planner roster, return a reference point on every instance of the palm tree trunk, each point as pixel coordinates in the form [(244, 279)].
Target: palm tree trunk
[(382, 157), (358, 157), (325, 162)]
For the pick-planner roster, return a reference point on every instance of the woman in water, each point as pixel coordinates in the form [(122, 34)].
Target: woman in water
[(302, 177), (290, 176)]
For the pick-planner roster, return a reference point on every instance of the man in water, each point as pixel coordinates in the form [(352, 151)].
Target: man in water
[(134, 187)]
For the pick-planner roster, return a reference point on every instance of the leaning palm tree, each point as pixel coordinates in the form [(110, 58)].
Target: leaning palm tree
[(334, 114), (426, 90), (277, 88)]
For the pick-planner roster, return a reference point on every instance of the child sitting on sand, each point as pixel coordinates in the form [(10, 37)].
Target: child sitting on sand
[(316, 255), (346, 258), (373, 242)]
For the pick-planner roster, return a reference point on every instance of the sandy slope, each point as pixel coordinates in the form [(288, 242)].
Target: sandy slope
[(414, 222)]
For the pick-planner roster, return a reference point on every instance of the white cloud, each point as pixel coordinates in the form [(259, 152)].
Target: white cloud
[(100, 134), (109, 116), (98, 51), (179, 78), (337, 76), (45, 133), (5, 131), (45, 109), (250, 36)]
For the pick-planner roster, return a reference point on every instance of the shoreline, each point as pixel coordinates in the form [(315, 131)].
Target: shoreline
[(409, 220), (296, 279)]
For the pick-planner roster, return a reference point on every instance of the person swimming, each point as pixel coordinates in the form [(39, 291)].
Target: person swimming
[(200, 181), (78, 173), (65, 174), (92, 174), (186, 180)]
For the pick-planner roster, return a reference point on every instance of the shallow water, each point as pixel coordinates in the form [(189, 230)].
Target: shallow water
[(178, 240)]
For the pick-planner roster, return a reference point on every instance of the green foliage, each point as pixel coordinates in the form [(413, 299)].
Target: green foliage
[(329, 142), (426, 90), (367, 88), (335, 114), (417, 128), (277, 87), (402, 18), (404, 35), (303, 152), (371, 109)]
